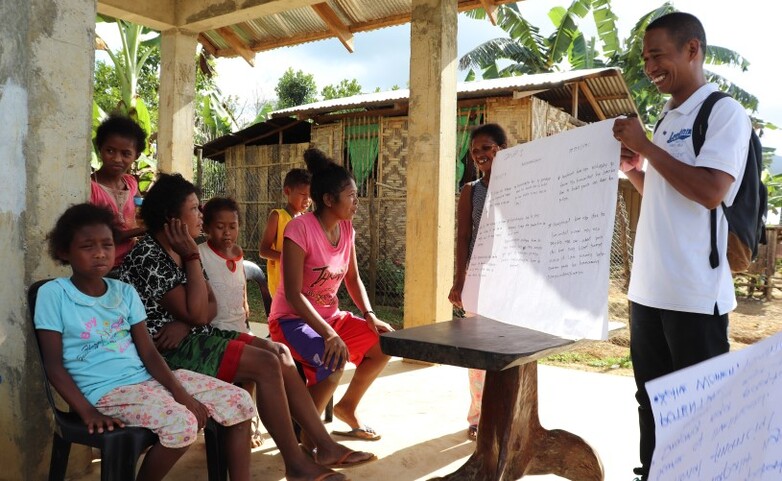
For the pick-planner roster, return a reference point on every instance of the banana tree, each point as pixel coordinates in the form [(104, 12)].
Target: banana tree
[(567, 48), (138, 44), (530, 52)]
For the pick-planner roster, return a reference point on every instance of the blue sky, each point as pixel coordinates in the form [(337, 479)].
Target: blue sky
[(381, 57)]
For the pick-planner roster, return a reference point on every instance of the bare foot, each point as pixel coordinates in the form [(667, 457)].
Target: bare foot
[(347, 416), (357, 429)]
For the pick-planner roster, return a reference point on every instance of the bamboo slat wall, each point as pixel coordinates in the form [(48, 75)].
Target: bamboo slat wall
[(254, 178)]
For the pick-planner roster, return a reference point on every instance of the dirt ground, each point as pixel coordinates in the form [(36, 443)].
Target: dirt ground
[(752, 321)]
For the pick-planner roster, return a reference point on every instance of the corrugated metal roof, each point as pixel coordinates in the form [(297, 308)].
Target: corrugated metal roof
[(273, 131), (606, 86), (306, 24)]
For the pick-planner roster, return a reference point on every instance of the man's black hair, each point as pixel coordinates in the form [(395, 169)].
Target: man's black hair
[(681, 27)]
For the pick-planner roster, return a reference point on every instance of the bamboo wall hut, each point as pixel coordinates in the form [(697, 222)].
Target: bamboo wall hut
[(368, 134)]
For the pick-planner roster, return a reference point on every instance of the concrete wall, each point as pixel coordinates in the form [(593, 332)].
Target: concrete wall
[(46, 63)]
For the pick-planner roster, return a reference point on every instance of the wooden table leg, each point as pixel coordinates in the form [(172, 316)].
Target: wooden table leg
[(512, 443)]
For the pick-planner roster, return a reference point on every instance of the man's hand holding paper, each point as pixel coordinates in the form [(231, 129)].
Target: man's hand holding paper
[(631, 133)]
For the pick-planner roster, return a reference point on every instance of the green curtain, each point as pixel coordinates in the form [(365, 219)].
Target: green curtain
[(363, 146)]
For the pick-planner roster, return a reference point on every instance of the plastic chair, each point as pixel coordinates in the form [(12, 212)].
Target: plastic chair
[(253, 272), (121, 448)]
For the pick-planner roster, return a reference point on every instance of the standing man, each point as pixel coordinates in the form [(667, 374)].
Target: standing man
[(680, 303)]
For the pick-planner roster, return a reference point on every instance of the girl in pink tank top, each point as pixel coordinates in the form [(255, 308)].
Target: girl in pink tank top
[(318, 254)]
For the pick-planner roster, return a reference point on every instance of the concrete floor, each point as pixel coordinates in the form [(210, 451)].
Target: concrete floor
[(420, 411)]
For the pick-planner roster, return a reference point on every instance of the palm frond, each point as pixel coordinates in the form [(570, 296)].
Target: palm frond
[(566, 25), (605, 21), (521, 31), (722, 56), (483, 54), (749, 101)]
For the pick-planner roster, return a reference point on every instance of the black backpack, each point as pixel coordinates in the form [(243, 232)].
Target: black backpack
[(747, 215)]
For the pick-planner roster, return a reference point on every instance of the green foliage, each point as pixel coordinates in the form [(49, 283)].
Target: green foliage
[(213, 118), (129, 85), (774, 185), (529, 52), (295, 88), (390, 281), (345, 88), (107, 91), (144, 170), (588, 359), (263, 112)]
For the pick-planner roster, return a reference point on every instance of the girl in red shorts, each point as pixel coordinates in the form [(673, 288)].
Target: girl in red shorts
[(318, 253)]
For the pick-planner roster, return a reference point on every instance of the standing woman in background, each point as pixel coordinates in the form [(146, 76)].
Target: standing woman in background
[(485, 141)]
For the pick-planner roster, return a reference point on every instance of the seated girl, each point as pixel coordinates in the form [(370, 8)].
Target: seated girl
[(318, 253), (98, 355), (165, 268)]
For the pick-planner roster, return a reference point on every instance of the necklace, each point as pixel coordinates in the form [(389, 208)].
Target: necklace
[(329, 235)]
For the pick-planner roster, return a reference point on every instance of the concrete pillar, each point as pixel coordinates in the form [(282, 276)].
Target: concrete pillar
[(430, 162), (177, 93), (46, 64)]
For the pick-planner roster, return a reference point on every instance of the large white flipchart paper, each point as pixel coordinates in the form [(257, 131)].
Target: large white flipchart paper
[(721, 420), (542, 255)]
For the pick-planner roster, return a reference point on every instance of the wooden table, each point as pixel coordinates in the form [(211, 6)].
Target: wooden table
[(511, 442)]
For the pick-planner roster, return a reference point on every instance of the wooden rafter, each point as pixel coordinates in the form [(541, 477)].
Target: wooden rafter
[(207, 44), (237, 45), (574, 99), (339, 29), (264, 45), (592, 101), (491, 10)]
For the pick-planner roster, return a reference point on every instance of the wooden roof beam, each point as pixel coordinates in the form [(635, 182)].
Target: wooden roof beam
[(592, 101), (574, 99), (207, 44), (491, 10), (258, 46), (339, 29), (237, 45)]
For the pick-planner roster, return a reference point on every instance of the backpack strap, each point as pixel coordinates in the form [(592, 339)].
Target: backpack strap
[(698, 137), (659, 121)]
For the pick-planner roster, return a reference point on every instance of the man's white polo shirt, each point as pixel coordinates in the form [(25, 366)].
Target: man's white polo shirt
[(671, 255)]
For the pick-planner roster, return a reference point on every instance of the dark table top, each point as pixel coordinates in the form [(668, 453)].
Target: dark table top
[(475, 342)]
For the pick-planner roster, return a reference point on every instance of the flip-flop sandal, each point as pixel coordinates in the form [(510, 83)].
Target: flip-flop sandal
[(365, 432), (343, 461), (472, 432)]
